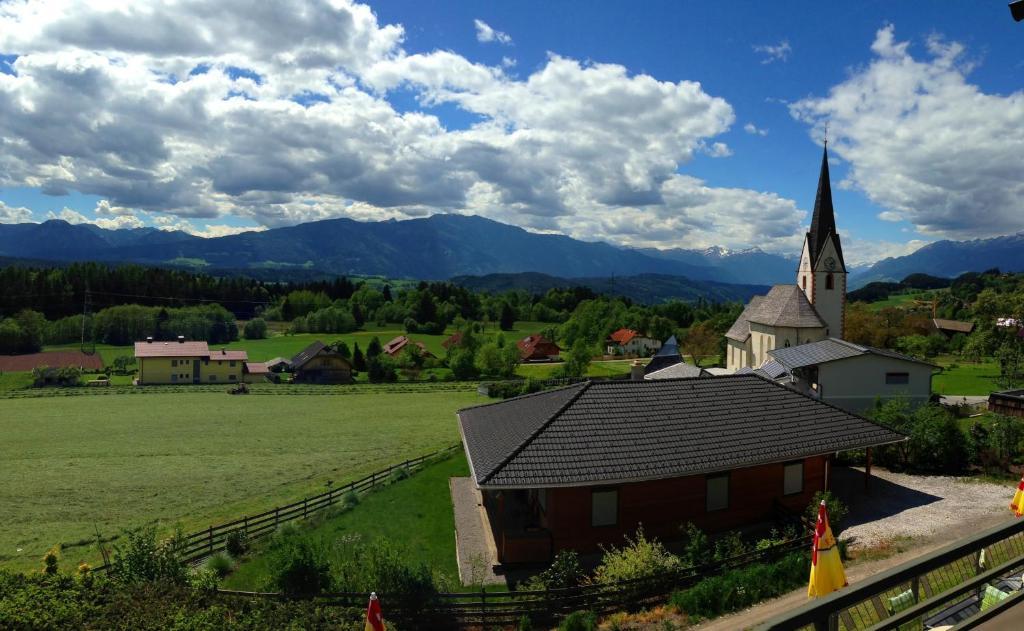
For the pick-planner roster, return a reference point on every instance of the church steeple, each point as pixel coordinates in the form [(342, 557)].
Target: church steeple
[(823, 221)]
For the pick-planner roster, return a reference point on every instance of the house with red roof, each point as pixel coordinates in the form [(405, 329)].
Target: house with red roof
[(537, 348), (629, 342), (395, 347)]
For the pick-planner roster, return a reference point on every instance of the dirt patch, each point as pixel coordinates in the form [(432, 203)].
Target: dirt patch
[(51, 359)]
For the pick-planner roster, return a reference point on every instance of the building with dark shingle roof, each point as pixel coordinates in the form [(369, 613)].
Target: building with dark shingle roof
[(854, 376), (949, 328), (319, 363), (666, 356), (580, 466)]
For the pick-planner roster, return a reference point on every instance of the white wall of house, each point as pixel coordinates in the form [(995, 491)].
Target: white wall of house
[(764, 338), (856, 382), (642, 346), (737, 354)]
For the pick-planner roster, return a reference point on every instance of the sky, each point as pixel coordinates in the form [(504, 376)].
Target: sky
[(657, 124)]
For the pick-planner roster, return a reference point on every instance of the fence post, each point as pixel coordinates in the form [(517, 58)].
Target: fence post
[(304, 501), (276, 509), (246, 526), (209, 537), (483, 605)]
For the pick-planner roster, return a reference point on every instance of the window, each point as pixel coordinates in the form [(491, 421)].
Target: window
[(717, 492), (174, 378), (174, 363), (803, 283), (793, 478), (604, 507), (786, 345), (897, 378), (231, 364), (231, 377), (830, 281), (213, 377)]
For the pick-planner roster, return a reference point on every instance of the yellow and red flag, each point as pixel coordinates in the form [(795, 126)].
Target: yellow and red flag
[(374, 617), (1017, 505), (826, 567)]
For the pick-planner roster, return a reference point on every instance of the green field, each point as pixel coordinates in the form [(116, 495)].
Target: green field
[(965, 378), (906, 299), (415, 513), (74, 464)]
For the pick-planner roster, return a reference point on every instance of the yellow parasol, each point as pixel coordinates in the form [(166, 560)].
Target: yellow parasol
[(1017, 505), (826, 567)]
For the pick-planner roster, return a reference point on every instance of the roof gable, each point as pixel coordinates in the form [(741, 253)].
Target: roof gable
[(307, 354), (628, 431), (623, 336)]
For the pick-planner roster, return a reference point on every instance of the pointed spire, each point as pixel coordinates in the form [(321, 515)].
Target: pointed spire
[(823, 222)]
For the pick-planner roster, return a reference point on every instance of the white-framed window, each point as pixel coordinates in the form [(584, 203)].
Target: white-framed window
[(174, 363), (604, 507), (717, 492), (793, 478), (213, 377), (174, 378), (897, 378), (231, 364)]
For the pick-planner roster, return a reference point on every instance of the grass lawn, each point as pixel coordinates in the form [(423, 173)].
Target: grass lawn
[(72, 464), (415, 513), (966, 378), (15, 381), (906, 299)]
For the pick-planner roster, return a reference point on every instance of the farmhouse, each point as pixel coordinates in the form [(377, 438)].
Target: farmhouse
[(1008, 402), (949, 328), (255, 372), (319, 363), (187, 362), (811, 310), (537, 348), (852, 376), (629, 342), (582, 466), (395, 347)]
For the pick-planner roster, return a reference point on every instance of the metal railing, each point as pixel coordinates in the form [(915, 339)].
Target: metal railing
[(952, 585)]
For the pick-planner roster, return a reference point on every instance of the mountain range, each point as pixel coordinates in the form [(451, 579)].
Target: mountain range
[(948, 259), (433, 248)]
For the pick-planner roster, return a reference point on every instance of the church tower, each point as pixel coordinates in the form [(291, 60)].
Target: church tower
[(822, 271)]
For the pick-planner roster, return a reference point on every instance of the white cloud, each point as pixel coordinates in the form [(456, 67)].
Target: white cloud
[(141, 107), (753, 129), (14, 214), (924, 143), (860, 252), (772, 53), (484, 33)]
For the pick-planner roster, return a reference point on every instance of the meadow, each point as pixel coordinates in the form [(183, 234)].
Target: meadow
[(415, 514), (965, 378), (75, 465)]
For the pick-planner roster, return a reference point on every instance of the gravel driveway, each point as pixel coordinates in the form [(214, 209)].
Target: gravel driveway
[(902, 505)]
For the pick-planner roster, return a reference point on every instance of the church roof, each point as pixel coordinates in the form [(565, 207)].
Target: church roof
[(786, 305), (823, 222), (740, 329)]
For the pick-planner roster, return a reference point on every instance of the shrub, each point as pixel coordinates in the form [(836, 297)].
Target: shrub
[(525, 624), (236, 543), (565, 571), (143, 559), (255, 329), (220, 564), (579, 621), (741, 588), (363, 567), (350, 500), (836, 510), (205, 580), (397, 474), (50, 560), (381, 369), (299, 568), (639, 558), (697, 549), (728, 546)]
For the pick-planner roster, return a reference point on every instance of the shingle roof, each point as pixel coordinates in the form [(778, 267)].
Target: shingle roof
[(740, 329), (679, 370), (228, 355), (306, 354), (625, 431), (772, 369), (956, 326), (667, 355), (171, 349), (786, 305), (623, 336), (256, 368), (830, 350)]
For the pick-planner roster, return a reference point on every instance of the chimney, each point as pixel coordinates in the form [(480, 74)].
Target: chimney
[(149, 339), (636, 371), (181, 339)]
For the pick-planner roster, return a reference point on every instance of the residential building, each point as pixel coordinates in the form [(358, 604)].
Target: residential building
[(537, 348), (852, 376), (255, 372), (580, 467), (949, 328), (319, 363), (629, 342), (395, 347), (1007, 403), (187, 362), (811, 310)]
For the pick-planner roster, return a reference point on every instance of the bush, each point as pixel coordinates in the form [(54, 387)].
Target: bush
[(697, 549), (236, 543), (639, 558), (299, 568), (381, 369), (742, 588), (397, 474), (220, 564), (255, 329), (379, 565), (350, 500), (565, 571), (525, 624), (143, 559), (50, 560), (837, 510), (579, 621)]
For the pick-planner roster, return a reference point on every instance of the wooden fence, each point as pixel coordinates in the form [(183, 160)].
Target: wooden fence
[(484, 609)]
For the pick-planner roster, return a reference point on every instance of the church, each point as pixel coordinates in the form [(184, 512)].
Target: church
[(811, 310)]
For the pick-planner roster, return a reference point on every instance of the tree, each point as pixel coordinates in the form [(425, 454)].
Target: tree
[(386, 293), (122, 362), (381, 369), (343, 350), (661, 328), (507, 320), (357, 314), (576, 363), (497, 361), (374, 348), (701, 341), (256, 329), (358, 361), (462, 362)]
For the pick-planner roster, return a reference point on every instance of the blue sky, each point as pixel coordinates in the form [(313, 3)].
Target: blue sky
[(412, 108)]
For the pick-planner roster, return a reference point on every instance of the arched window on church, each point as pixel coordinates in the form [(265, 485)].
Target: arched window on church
[(787, 343), (830, 282), (803, 281)]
